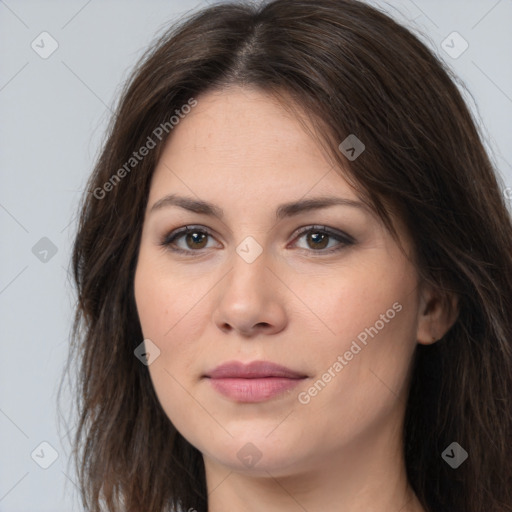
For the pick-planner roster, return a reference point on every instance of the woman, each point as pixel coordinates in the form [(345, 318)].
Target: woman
[(294, 274)]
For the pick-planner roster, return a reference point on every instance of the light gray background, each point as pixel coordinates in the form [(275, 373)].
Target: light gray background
[(54, 112)]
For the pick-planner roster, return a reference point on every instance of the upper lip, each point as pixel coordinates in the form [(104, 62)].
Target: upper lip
[(253, 370)]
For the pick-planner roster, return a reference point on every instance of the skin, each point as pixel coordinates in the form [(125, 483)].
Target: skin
[(293, 305)]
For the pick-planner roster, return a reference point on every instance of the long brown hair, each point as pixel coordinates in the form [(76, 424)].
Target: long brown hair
[(354, 71)]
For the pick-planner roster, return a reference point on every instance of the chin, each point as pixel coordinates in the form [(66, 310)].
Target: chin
[(257, 453)]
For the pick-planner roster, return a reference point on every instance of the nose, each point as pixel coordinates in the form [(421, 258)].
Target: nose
[(250, 299)]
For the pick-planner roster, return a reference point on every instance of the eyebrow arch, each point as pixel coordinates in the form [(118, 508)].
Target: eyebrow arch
[(285, 210)]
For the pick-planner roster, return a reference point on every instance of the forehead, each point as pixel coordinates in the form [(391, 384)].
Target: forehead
[(240, 138)]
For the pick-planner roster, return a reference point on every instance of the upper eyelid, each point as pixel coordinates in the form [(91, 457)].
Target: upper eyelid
[(327, 229)]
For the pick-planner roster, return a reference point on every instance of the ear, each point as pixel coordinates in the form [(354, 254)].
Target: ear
[(437, 313)]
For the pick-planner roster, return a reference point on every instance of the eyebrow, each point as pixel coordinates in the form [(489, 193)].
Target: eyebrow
[(284, 210)]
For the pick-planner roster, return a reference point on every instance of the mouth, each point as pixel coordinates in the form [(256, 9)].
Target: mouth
[(254, 382)]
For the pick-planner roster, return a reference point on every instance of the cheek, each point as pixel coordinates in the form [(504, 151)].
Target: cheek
[(152, 295), (360, 297), (167, 315), (171, 308), (368, 318), (167, 302)]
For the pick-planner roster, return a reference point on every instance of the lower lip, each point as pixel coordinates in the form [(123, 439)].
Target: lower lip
[(253, 390)]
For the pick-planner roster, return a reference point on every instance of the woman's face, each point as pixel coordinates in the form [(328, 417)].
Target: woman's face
[(267, 275)]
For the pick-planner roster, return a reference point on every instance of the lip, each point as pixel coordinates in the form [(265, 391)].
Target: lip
[(253, 382), (253, 370)]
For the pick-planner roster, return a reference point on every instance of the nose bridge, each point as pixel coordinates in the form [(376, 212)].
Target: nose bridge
[(247, 299), (250, 264)]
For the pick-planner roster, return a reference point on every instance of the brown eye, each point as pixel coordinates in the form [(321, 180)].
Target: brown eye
[(194, 238), (318, 239)]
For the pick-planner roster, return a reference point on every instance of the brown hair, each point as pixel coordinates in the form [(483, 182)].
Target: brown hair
[(354, 71)]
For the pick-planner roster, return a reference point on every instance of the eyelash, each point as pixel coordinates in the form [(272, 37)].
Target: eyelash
[(344, 239)]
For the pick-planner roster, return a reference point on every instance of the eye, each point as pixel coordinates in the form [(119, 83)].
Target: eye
[(194, 237), (318, 239)]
